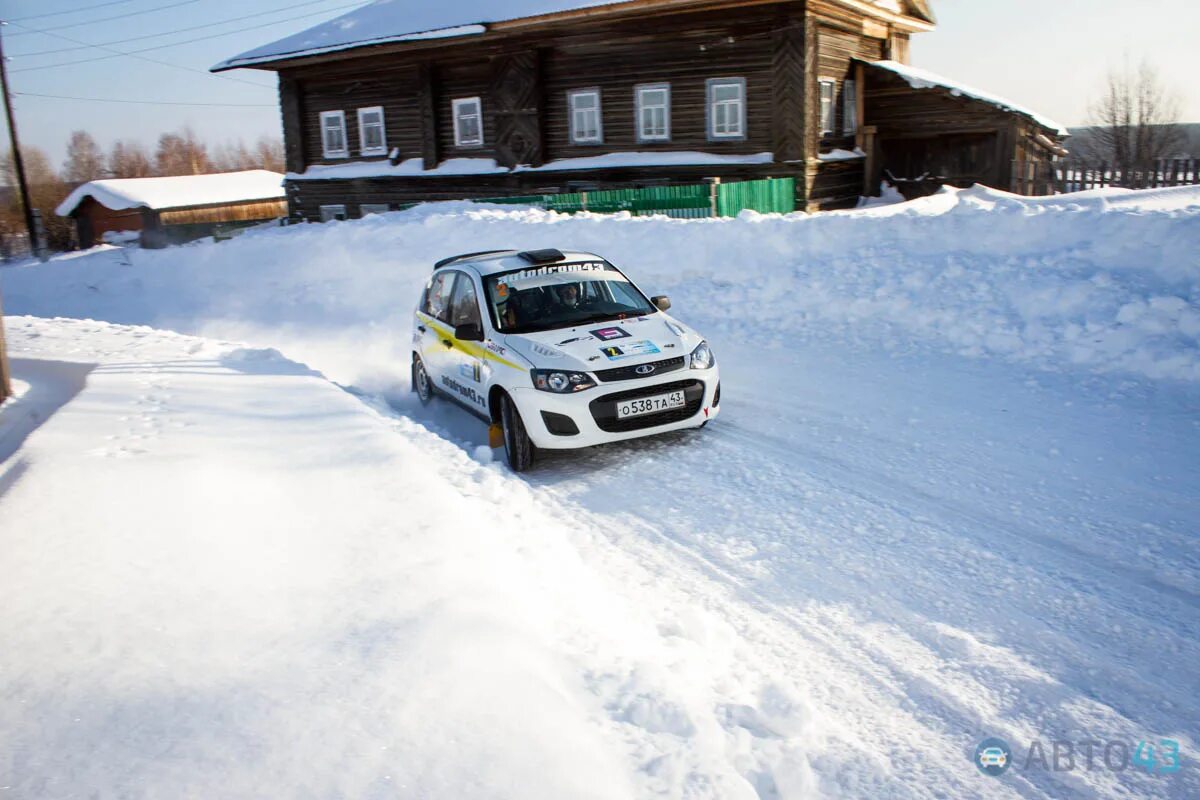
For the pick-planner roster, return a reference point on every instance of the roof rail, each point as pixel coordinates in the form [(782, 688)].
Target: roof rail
[(452, 259), (547, 256)]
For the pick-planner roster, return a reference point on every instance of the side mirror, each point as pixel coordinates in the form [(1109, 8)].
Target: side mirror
[(469, 333), (662, 302)]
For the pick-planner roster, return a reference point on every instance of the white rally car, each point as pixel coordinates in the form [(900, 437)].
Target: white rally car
[(558, 350)]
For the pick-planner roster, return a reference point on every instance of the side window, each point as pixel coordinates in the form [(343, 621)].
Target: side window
[(468, 122), (585, 122), (727, 108), (437, 296), (849, 107), (331, 213), (333, 134), (464, 307), (828, 109), (652, 102), (372, 139)]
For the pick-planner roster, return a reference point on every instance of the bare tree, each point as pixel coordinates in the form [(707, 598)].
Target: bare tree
[(181, 154), (46, 192), (267, 153), (1135, 121), (270, 153), (85, 161), (130, 160)]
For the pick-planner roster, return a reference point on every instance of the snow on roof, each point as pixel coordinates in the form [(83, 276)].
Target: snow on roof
[(178, 191), (924, 79), (387, 21)]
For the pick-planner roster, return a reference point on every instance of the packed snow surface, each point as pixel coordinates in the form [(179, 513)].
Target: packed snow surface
[(919, 78), (178, 191), (952, 494)]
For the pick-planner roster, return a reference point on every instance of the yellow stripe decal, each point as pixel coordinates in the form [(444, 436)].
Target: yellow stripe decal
[(470, 348)]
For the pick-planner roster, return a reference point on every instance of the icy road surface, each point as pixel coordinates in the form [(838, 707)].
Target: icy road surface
[(952, 495)]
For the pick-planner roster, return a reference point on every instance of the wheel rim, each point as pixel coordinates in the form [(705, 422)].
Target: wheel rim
[(422, 381), (509, 436)]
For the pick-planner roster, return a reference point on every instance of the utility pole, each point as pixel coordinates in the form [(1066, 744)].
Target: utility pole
[(5, 376), (18, 161)]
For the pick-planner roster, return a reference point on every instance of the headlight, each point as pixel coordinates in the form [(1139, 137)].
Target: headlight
[(702, 357), (561, 381)]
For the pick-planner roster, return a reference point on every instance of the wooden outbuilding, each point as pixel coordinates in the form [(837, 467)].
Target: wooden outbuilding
[(173, 210), (392, 104)]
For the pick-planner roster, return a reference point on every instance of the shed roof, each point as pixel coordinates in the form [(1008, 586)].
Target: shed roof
[(924, 79), (178, 191), (398, 21)]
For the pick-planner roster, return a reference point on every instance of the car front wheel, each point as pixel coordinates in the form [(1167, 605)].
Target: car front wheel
[(518, 447), (420, 381)]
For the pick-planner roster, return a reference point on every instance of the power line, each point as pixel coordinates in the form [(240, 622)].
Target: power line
[(145, 102), (102, 19), (192, 28), (73, 10), (142, 58)]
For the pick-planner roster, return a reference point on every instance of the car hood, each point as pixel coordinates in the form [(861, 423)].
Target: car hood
[(604, 345)]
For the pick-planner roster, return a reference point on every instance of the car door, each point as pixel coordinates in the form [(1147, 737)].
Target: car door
[(433, 326), (468, 368)]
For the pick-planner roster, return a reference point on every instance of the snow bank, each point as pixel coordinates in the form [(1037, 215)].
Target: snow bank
[(178, 191), (1105, 282)]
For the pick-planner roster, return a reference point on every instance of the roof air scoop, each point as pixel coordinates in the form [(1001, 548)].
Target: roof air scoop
[(547, 256)]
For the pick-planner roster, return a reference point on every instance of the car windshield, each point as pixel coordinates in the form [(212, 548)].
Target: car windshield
[(562, 295)]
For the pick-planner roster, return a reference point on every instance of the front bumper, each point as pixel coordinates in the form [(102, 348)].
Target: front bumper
[(593, 411)]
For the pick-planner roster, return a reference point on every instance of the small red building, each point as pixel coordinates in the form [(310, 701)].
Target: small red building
[(172, 210)]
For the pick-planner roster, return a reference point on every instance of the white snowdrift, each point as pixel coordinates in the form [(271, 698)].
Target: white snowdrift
[(1106, 282), (178, 191)]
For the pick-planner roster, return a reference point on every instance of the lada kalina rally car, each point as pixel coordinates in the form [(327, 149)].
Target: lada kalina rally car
[(556, 351)]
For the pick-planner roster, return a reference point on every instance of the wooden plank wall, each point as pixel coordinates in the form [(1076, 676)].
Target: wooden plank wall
[(234, 212), (684, 51)]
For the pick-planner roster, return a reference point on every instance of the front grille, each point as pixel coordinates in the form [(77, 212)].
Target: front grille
[(630, 373), (604, 409)]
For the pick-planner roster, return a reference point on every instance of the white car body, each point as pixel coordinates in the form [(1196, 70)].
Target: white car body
[(476, 374)]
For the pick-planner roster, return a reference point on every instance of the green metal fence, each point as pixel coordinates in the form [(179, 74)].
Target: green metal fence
[(771, 195)]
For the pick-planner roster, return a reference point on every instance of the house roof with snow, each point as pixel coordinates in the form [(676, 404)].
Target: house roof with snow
[(182, 191), (410, 21), (924, 79)]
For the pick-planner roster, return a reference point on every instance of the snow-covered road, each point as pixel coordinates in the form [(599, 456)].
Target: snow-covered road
[(883, 552)]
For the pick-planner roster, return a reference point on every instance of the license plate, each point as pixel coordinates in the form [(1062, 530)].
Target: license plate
[(650, 405)]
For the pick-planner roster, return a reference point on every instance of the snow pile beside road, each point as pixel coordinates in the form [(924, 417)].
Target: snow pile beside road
[(1103, 281)]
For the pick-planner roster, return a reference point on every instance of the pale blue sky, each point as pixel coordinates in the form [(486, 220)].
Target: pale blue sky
[(1051, 55)]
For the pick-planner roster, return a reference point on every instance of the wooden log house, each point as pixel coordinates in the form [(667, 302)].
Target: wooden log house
[(387, 107)]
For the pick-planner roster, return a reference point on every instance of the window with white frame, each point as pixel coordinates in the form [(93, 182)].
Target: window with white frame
[(468, 122), (333, 134), (372, 138), (727, 108), (330, 213), (653, 108), (583, 105), (828, 109), (849, 107)]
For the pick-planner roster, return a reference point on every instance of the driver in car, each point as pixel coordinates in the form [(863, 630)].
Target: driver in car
[(568, 295)]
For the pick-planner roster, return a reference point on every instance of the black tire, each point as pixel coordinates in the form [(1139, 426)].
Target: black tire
[(518, 447), (420, 381)]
